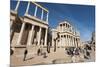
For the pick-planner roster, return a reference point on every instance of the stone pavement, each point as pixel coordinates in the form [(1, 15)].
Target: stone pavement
[(59, 56), (30, 60)]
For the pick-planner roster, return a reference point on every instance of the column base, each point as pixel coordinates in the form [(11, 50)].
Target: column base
[(18, 46)]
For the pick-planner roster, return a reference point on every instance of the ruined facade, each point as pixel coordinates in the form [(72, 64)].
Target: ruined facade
[(28, 31), (65, 35)]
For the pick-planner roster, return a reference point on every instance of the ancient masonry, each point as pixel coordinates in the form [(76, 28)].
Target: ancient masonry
[(30, 31), (65, 35)]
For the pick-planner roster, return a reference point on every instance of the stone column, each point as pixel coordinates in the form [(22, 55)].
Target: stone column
[(21, 33), (69, 40), (31, 36), (11, 23), (68, 27), (47, 16), (66, 41), (45, 42), (63, 41), (27, 8), (60, 40), (77, 42), (39, 36), (73, 40), (71, 28), (17, 5), (52, 41), (42, 15), (65, 26), (35, 11), (62, 27)]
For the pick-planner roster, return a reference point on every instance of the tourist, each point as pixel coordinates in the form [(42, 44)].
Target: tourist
[(38, 52), (25, 53)]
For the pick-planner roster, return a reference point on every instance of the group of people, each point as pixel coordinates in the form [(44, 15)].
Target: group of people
[(86, 51), (73, 51)]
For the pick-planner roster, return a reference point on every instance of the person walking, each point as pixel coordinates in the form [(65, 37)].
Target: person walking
[(25, 54), (39, 51)]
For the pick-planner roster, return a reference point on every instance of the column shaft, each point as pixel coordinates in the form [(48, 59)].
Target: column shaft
[(60, 40), (35, 11), (31, 36), (73, 41), (47, 16), (79, 42), (46, 37), (17, 5), (65, 40), (52, 42), (62, 27), (42, 15), (27, 8), (21, 33), (68, 40), (39, 39), (11, 23)]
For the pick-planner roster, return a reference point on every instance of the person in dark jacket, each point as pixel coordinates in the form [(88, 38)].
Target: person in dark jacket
[(25, 53), (11, 52), (39, 51)]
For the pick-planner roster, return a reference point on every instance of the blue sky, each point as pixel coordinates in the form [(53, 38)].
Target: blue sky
[(82, 17)]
